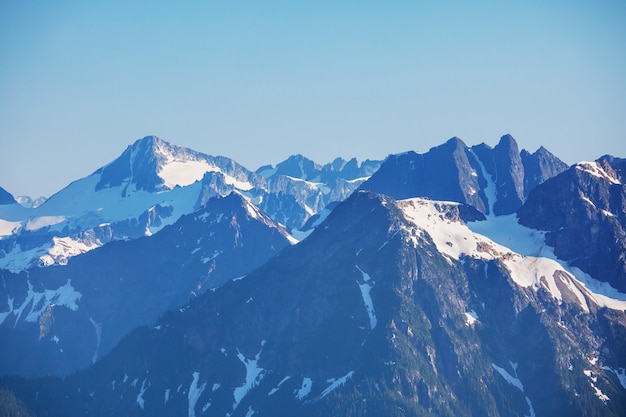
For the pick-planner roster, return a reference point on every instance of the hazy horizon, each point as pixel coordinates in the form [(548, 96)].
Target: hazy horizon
[(259, 82)]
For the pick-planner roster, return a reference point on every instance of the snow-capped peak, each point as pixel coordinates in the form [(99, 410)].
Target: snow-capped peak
[(523, 251), (596, 169)]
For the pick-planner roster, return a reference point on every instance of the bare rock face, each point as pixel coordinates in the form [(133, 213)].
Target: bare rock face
[(455, 172), (584, 211)]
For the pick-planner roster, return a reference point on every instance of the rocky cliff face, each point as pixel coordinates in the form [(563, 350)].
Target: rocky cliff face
[(388, 308), (455, 172), (584, 211), (446, 172)]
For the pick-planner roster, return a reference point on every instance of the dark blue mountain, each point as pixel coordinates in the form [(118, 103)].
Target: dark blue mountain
[(493, 180), (6, 197), (366, 317), (58, 320)]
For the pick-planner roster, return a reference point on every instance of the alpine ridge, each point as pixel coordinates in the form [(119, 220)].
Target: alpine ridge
[(453, 171), (391, 318), (464, 281)]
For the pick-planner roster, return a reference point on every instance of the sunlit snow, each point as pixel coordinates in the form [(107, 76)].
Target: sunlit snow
[(7, 228), (513, 380), (471, 317), (597, 391), (530, 261), (596, 170), (182, 173)]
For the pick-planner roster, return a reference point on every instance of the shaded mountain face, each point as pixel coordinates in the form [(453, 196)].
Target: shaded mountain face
[(58, 320), (388, 308), (6, 197), (583, 211), (474, 176)]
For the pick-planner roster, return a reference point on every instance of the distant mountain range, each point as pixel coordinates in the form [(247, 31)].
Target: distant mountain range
[(459, 282)]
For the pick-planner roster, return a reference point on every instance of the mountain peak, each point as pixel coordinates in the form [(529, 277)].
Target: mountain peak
[(508, 140), (455, 142), (152, 164), (6, 197)]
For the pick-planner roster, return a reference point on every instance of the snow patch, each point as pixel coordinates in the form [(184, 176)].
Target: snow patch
[(194, 394), (254, 374), (65, 296), (596, 170), (336, 383), (98, 328), (513, 380), (7, 228), (183, 173), (305, 389), (471, 318), (522, 250), (366, 289), (490, 190), (142, 390), (282, 381), (64, 248), (43, 221), (208, 259)]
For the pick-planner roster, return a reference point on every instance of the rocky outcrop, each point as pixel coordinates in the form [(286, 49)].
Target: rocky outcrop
[(583, 211)]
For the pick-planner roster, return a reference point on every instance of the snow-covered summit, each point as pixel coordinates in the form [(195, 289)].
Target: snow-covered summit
[(152, 164)]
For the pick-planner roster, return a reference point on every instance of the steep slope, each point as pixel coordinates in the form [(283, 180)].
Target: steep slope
[(151, 185), (387, 308), (584, 212), (58, 320), (445, 172), (475, 176), (6, 197), (539, 167)]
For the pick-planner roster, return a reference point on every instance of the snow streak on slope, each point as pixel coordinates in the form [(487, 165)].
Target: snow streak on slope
[(194, 394), (490, 190), (523, 251), (254, 374), (514, 380), (366, 289), (65, 295)]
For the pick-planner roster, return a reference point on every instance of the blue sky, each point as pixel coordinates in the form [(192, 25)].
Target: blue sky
[(259, 81)]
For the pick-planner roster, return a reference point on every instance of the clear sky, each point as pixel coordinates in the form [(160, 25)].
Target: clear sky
[(258, 81)]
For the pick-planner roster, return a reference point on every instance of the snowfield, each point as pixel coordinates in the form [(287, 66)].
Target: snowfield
[(523, 251)]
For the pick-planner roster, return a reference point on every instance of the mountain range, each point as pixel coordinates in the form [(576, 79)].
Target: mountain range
[(462, 281)]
